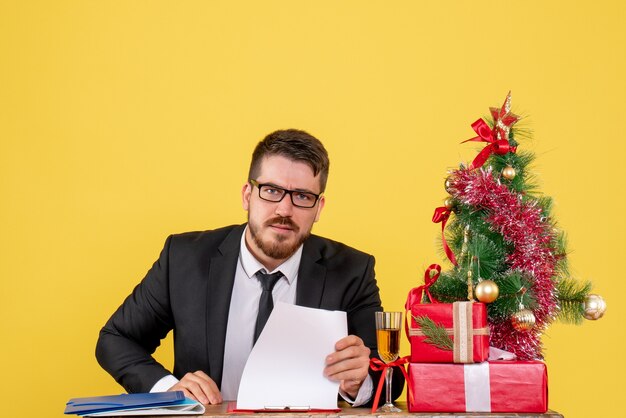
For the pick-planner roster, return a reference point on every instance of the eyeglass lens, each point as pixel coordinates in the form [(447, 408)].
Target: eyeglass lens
[(276, 194)]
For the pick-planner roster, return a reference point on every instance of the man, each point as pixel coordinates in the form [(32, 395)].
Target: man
[(211, 287)]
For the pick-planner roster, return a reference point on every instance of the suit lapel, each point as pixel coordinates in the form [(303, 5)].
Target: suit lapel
[(311, 276), (221, 279)]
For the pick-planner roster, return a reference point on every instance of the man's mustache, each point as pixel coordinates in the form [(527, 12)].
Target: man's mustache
[(281, 220)]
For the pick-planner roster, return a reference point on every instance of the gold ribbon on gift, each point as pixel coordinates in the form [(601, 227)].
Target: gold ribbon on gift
[(462, 331)]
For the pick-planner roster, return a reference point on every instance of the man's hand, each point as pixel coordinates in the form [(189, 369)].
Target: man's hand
[(200, 387), (348, 364)]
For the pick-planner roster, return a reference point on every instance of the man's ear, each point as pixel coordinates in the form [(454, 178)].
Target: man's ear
[(246, 192), (320, 206)]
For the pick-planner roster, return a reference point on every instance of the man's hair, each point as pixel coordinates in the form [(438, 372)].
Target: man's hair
[(295, 145)]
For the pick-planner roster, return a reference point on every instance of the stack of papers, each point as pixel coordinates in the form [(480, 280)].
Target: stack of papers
[(165, 403)]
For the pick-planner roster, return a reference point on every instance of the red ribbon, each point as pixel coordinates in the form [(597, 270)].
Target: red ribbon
[(441, 215), (415, 294), (379, 365), (496, 146)]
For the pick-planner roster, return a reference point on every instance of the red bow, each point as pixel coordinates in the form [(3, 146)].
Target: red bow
[(496, 146), (379, 365), (498, 138), (416, 294), (441, 215)]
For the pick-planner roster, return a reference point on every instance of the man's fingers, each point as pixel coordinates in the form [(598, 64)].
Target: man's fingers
[(353, 351), (187, 394), (349, 364), (210, 387), (347, 342), (193, 388), (202, 375), (350, 369), (200, 387)]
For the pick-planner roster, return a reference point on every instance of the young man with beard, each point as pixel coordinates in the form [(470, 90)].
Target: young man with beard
[(209, 287)]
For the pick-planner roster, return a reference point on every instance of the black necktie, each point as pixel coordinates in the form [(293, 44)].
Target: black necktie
[(266, 303)]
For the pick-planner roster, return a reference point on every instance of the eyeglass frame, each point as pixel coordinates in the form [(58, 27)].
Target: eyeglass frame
[(286, 192)]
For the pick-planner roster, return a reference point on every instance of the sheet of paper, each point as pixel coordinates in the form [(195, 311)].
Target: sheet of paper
[(286, 365)]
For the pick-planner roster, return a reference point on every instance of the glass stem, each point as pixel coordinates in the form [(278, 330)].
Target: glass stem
[(388, 376)]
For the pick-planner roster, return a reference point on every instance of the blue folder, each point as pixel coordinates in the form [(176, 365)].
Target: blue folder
[(84, 406)]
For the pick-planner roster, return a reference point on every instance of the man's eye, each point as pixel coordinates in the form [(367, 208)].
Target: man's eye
[(304, 197), (269, 190)]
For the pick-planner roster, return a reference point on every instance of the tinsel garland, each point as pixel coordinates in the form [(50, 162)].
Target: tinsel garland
[(522, 223)]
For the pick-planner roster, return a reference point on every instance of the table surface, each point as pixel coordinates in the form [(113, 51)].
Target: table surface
[(219, 411)]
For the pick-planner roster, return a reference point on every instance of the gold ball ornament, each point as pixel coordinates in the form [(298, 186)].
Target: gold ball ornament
[(523, 320), (447, 184), (509, 172), (486, 291), (449, 203), (594, 307)]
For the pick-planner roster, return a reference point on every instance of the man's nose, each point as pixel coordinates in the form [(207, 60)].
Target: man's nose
[(285, 207)]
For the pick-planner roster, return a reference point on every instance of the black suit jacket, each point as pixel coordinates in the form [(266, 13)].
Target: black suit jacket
[(188, 290)]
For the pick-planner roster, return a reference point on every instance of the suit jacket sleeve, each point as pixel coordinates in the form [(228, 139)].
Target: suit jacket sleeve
[(132, 334)]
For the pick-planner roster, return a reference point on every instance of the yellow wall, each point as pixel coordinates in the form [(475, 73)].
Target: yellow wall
[(124, 121)]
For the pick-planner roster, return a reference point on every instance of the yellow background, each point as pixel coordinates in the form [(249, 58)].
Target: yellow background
[(124, 121)]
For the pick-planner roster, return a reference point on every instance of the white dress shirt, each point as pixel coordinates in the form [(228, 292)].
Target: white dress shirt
[(244, 307)]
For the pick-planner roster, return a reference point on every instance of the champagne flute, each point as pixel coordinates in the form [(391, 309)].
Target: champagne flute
[(388, 326)]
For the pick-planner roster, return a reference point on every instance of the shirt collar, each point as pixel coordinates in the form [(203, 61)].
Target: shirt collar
[(251, 265)]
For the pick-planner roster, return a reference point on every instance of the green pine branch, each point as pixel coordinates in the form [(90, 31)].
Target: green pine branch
[(490, 256), (545, 203), (451, 286), (524, 181), (435, 334), (510, 284), (571, 296), (561, 267)]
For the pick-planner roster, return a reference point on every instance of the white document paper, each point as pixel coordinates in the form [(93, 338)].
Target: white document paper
[(286, 365)]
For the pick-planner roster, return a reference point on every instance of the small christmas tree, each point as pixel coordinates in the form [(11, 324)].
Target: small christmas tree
[(505, 247)]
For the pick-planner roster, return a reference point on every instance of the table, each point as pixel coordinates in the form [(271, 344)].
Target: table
[(219, 411)]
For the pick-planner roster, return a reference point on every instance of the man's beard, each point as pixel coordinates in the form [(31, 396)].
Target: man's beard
[(277, 249)]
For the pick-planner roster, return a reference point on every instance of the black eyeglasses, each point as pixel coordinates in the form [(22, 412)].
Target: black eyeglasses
[(275, 194)]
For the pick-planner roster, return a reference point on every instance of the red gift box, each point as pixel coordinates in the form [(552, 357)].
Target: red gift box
[(464, 322), (495, 386)]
